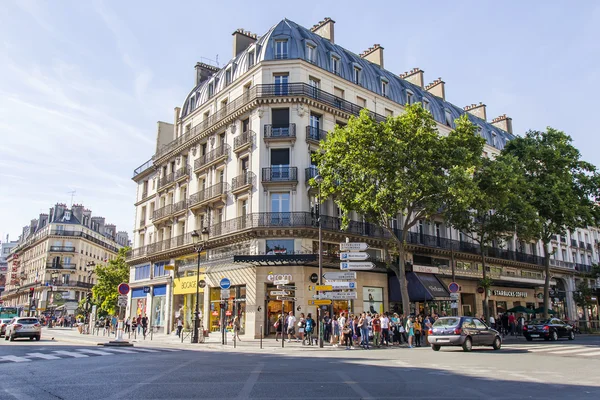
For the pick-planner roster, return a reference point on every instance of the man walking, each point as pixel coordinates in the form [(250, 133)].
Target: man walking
[(363, 323), (144, 323), (291, 326), (385, 329), (179, 326)]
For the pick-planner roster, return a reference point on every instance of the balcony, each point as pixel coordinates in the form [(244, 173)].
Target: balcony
[(209, 195), (144, 194), (561, 264), (581, 244), (315, 135), (583, 268), (182, 173), (142, 223), (573, 243), (179, 208), (310, 173), (242, 183), (162, 213), (243, 141), (62, 249), (54, 265), (166, 181), (143, 168), (212, 157), (588, 246), (283, 133), (84, 285), (279, 174)]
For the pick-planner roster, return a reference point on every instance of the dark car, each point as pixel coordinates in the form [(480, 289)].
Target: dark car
[(463, 331), (548, 329)]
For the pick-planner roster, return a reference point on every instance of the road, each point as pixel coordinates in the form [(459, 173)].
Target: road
[(62, 370)]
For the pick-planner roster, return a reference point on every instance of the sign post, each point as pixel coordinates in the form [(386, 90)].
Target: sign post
[(123, 290)]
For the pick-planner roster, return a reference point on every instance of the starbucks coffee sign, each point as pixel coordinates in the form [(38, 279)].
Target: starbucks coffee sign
[(507, 293)]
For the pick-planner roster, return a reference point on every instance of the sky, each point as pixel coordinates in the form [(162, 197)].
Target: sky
[(83, 83)]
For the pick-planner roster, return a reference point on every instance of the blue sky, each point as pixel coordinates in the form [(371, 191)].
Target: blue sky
[(83, 83)]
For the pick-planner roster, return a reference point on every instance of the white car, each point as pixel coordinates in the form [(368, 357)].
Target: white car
[(3, 323), (28, 327)]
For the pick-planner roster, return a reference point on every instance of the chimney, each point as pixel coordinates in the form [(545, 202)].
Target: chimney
[(77, 211), (87, 218), (477, 110), (203, 72), (324, 29), (59, 211), (122, 238), (436, 88), (374, 54), (42, 221), (503, 122), (242, 40), (414, 76), (110, 230), (99, 222)]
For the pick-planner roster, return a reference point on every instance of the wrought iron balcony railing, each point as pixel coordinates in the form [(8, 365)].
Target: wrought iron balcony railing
[(315, 134), (280, 131), (162, 212), (54, 265), (183, 172), (310, 173), (179, 206), (166, 180), (280, 174), (209, 194), (212, 156), (63, 249), (148, 164), (243, 180), (243, 140)]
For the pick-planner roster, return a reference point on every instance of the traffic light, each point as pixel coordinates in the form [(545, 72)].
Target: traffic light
[(31, 290)]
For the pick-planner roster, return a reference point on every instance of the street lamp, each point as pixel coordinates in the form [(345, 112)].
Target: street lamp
[(199, 240), (319, 181)]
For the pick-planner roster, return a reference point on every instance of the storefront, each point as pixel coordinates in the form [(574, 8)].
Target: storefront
[(138, 302), (228, 308), (427, 293), (184, 299)]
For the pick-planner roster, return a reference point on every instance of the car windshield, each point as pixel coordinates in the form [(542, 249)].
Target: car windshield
[(27, 321), (446, 322), (539, 322)]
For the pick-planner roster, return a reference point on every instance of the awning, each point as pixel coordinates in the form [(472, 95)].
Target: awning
[(421, 287)]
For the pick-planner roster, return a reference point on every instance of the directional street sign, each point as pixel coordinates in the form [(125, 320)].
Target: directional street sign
[(353, 246), (339, 276), (281, 282), (320, 287), (319, 302), (284, 287), (279, 293), (354, 256), (333, 286), (286, 298), (337, 296), (347, 265), (225, 293)]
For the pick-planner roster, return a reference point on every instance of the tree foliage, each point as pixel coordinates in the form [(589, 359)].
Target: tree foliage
[(561, 188), (583, 295), (109, 276), (401, 166)]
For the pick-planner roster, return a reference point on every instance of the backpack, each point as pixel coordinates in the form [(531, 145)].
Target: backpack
[(309, 325)]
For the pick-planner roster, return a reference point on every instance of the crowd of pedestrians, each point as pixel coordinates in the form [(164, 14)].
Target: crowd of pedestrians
[(364, 330)]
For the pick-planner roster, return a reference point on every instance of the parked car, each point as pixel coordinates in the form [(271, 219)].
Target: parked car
[(548, 329), (23, 327), (463, 331), (3, 323)]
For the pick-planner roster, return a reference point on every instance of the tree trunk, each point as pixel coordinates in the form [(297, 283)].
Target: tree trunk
[(401, 274), (485, 289), (547, 280)]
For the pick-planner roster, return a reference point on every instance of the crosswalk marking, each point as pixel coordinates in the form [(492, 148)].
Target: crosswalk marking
[(170, 350), (43, 356), (121, 351), (97, 352), (551, 348), (147, 350), (576, 350), (70, 354), (595, 353), (14, 359)]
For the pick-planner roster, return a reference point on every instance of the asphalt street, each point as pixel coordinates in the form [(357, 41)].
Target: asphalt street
[(523, 370)]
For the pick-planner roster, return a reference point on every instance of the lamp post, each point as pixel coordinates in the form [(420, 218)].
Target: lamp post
[(199, 240), (89, 268), (319, 181)]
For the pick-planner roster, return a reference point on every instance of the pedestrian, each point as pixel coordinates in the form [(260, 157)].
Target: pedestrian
[(326, 327), (410, 331), (385, 329), (309, 329), (139, 323), (291, 326), (363, 324), (236, 328), (107, 326), (179, 326), (144, 323), (417, 330), (134, 324), (113, 324), (492, 322), (301, 326), (347, 332), (342, 321), (376, 324), (279, 325), (336, 331), (512, 324), (127, 325)]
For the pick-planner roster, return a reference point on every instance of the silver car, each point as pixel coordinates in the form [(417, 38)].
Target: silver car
[(465, 332), (3, 323), (28, 327)]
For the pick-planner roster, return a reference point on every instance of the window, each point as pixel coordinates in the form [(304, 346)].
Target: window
[(335, 65), (274, 247), (311, 53), (227, 76), (211, 89), (494, 139), (389, 113), (142, 272), (250, 59), (281, 84), (281, 49), (357, 75), (65, 279), (315, 84), (448, 118), (159, 269), (426, 105), (384, 88), (339, 96), (409, 97), (361, 102), (280, 119)]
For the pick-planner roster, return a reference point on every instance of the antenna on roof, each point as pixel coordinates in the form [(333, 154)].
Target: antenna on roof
[(217, 60), (72, 192)]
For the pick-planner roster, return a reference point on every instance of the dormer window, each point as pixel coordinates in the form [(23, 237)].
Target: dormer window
[(227, 76), (409, 97), (426, 104), (211, 89), (67, 216), (494, 139), (335, 65), (250, 59), (311, 53), (281, 49), (357, 75), (384, 88), (448, 118)]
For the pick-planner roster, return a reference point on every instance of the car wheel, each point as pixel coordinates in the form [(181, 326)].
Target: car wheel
[(467, 345), (554, 336), (31, 338), (571, 335), (497, 343), (436, 347), (529, 339), (37, 338)]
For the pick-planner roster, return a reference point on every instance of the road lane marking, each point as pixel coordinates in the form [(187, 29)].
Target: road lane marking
[(44, 356), (70, 354), (355, 386), (595, 353), (96, 352), (14, 359), (577, 350), (121, 350), (147, 350), (551, 348), (250, 382)]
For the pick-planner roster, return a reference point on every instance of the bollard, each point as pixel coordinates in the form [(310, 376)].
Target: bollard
[(261, 336), (234, 341)]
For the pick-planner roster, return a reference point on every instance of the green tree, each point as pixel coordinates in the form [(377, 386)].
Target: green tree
[(399, 166), (583, 296), (561, 188), (105, 291), (490, 208)]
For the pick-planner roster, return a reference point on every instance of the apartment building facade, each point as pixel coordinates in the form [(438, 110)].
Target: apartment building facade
[(5, 249), (237, 161), (55, 258)]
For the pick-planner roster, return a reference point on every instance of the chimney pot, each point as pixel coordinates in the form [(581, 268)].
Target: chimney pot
[(325, 29)]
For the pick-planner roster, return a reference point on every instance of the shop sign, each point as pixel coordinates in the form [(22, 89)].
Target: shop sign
[(426, 269), (215, 313), (506, 293), (186, 285), (280, 277)]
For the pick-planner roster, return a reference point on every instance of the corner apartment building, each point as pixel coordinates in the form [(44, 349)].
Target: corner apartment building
[(237, 160), (56, 255), (5, 249)]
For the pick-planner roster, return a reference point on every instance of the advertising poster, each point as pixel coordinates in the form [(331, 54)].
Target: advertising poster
[(373, 299)]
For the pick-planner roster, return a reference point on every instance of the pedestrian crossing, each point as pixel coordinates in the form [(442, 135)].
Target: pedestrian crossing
[(557, 350), (78, 353)]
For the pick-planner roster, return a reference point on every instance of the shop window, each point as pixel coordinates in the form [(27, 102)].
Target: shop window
[(373, 299), (159, 269), (142, 272), (281, 246)]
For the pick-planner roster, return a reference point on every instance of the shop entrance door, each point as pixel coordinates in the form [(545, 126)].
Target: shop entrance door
[(272, 312)]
